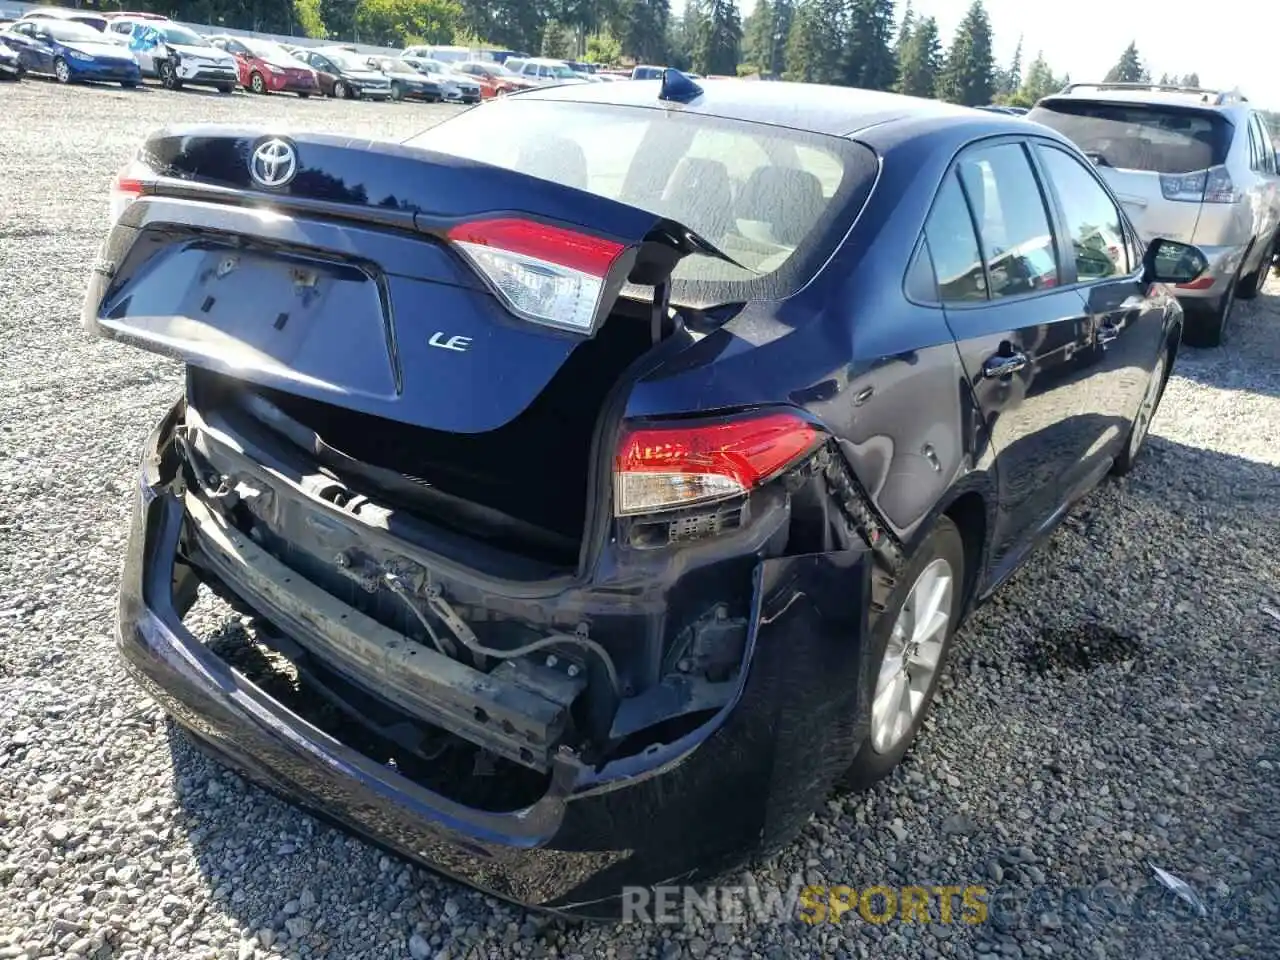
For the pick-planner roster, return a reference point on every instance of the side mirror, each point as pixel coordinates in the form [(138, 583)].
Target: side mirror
[(1168, 261)]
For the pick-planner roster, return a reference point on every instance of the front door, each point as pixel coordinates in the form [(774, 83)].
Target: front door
[(1022, 334), (1128, 325)]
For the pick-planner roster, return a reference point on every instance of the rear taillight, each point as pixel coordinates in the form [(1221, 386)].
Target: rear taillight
[(684, 464), (1208, 186), (126, 188), (545, 274)]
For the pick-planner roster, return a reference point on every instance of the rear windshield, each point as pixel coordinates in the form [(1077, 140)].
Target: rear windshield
[(776, 201), (1140, 136)]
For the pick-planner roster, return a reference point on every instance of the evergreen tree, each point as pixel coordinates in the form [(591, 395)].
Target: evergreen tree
[(1039, 82), (644, 30), (719, 40), (904, 31), (1011, 80), (968, 76), (757, 36), (806, 44), (1128, 69), (558, 40), (869, 61), (921, 60), (784, 12), (1191, 80)]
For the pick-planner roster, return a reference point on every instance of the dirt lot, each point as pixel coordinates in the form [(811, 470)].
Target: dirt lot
[(1115, 708)]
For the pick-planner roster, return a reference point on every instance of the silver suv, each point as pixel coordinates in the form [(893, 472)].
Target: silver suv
[(1189, 164)]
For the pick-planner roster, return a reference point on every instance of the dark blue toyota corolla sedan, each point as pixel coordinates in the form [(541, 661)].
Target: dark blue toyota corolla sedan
[(612, 465)]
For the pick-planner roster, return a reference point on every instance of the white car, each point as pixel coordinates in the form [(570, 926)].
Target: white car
[(177, 55), (454, 86), (544, 72)]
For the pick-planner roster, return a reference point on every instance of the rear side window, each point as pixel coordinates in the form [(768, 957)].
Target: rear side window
[(1147, 137), (1093, 222), (954, 246), (769, 197), (1013, 224)]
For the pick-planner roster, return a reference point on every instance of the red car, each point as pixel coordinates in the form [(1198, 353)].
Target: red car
[(494, 79), (267, 67)]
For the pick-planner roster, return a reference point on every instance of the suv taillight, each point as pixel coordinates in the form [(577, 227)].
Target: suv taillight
[(1203, 186), (546, 274), (683, 464), (127, 187)]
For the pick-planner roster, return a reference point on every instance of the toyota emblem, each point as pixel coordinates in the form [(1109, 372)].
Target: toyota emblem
[(273, 163)]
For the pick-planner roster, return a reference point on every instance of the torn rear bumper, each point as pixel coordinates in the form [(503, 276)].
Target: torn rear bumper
[(684, 812)]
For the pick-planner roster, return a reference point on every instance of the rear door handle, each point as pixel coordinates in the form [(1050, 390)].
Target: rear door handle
[(1003, 366)]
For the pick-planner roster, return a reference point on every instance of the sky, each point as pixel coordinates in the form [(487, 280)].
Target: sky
[(1229, 43)]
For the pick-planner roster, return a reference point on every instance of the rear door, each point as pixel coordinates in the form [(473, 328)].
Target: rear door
[(1156, 157), (1267, 200), (1128, 325), (1022, 332), (36, 53)]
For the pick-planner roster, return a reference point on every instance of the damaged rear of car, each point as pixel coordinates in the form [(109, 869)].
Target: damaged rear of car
[(559, 622)]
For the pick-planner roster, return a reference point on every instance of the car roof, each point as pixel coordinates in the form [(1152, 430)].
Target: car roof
[(831, 110), (1156, 94)]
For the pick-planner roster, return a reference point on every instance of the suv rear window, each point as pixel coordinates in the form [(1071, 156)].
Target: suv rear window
[(1150, 137), (775, 200)]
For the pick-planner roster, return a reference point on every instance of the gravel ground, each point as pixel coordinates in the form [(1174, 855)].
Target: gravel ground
[(1114, 708)]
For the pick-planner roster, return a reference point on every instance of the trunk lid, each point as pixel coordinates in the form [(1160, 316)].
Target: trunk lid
[(361, 297)]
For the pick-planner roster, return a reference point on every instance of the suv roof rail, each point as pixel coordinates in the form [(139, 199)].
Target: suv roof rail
[(1217, 97)]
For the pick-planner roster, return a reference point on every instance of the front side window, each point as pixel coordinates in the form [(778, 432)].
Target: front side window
[(957, 261), (1093, 222), (1013, 224)]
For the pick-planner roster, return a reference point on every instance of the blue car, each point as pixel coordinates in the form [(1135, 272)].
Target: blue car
[(71, 52)]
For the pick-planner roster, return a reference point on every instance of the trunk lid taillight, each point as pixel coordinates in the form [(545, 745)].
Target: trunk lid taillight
[(685, 464), (545, 274)]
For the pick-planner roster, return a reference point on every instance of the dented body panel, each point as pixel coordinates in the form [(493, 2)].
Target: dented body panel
[(692, 808)]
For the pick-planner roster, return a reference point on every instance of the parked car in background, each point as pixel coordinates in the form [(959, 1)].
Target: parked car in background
[(793, 378), (407, 82), (11, 67), (494, 79), (266, 67), (544, 72), (347, 75), (646, 71), (456, 86), (175, 54), (444, 54), (1191, 164), (90, 18), (71, 51)]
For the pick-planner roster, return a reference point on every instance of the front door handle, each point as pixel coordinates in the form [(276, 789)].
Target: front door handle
[(1001, 366), (1106, 333)]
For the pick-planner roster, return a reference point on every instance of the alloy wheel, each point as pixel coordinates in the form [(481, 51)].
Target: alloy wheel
[(62, 71), (257, 84), (166, 75), (340, 90), (1147, 410), (912, 656)]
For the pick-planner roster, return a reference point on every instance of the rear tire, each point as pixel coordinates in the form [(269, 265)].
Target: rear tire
[(397, 92), (61, 70), (1208, 328), (1249, 285), (902, 663)]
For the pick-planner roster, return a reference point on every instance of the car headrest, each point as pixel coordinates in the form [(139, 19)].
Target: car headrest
[(789, 200), (700, 192), (555, 158)]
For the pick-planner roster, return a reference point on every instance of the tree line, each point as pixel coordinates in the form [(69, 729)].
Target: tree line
[(858, 43)]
